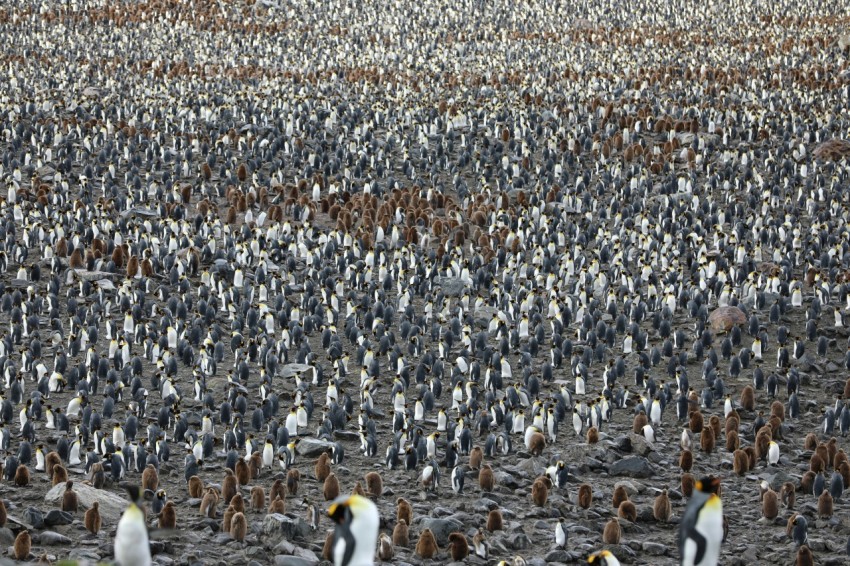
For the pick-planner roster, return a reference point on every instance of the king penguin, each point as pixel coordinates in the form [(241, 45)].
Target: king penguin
[(356, 533), (701, 529), (131, 538)]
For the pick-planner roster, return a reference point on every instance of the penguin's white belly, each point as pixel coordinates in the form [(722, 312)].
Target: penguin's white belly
[(131, 540)]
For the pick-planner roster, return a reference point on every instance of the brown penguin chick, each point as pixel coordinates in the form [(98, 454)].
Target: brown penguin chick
[(777, 409), (358, 489), (458, 547), (707, 440), (627, 511), (688, 482), (374, 484), (620, 494), (258, 498), (748, 398), (495, 522), (227, 519), (661, 508), (426, 546), (401, 535), (811, 442), (238, 527), (540, 491), (150, 478), (763, 438), (22, 476), (403, 510), (696, 422), (750, 451), (585, 496), (807, 483), (196, 487), (733, 442), (322, 468), (816, 463), (805, 557), (331, 487), (70, 502), (825, 505), (238, 503), (132, 267), (733, 422), (328, 547), (60, 475), (840, 456), (91, 519), (278, 505), (537, 443), (228, 486), (769, 502), (23, 544), (208, 504), (714, 424), (639, 422), (788, 495), (278, 488), (832, 450), (846, 394), (775, 424), (51, 461), (823, 452), (385, 548), (255, 464), (4, 516), (740, 462), (293, 476), (612, 532), (844, 470), (168, 516), (486, 479), (243, 472), (592, 435), (476, 456), (686, 460)]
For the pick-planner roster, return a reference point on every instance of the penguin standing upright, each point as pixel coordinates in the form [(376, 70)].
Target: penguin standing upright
[(131, 538), (356, 533), (701, 529)]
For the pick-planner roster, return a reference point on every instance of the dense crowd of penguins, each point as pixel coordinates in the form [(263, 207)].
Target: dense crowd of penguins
[(437, 235)]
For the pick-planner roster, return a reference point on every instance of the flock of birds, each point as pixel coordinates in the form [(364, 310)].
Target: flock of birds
[(434, 234)]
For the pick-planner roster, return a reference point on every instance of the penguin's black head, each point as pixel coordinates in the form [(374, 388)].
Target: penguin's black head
[(708, 484), (340, 512), (133, 492)]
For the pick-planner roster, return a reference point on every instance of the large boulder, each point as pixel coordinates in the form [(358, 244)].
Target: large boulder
[(632, 467), (283, 526), (111, 505), (724, 318)]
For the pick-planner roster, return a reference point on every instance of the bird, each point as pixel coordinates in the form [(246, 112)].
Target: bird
[(805, 556), (401, 536), (661, 507), (70, 501), (701, 527), (22, 545), (131, 537), (92, 519), (603, 558), (356, 531), (168, 516), (458, 546), (612, 532), (426, 546), (238, 527), (386, 552)]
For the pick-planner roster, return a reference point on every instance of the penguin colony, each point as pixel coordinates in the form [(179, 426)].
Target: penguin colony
[(370, 265)]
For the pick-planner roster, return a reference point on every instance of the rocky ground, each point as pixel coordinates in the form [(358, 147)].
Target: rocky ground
[(769, 85)]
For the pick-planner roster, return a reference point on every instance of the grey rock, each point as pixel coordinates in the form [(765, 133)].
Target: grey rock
[(57, 517), (290, 370), (277, 525), (284, 560), (312, 447), (111, 505), (442, 528), (51, 538), (519, 541), (630, 487), (7, 537), (558, 555), (633, 467), (654, 548), (35, 517), (451, 286)]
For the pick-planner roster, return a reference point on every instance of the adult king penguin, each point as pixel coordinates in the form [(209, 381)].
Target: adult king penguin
[(701, 529), (131, 538), (356, 533)]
